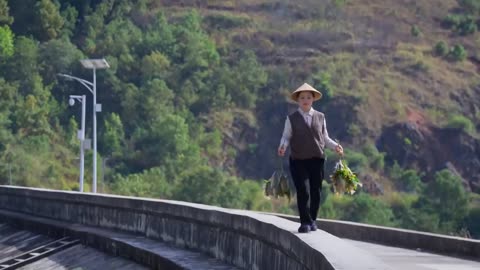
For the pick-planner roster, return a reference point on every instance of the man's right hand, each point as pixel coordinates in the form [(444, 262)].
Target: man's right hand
[(281, 151)]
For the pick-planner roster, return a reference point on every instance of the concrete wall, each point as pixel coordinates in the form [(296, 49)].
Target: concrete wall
[(244, 239)]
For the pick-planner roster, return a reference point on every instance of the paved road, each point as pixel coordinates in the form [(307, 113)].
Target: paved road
[(406, 259)]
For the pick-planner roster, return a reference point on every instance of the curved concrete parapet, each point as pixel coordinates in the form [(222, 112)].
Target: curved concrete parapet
[(245, 239), (436, 243)]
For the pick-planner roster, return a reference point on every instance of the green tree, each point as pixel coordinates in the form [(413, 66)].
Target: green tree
[(7, 102), (357, 161), (473, 222), (154, 65), (401, 204), (446, 198), (376, 159), (57, 56), (408, 180), (250, 79), (118, 38), (31, 117), (24, 64), (366, 209), (112, 135), (196, 55), (201, 185), (323, 81), (167, 138), (160, 36), (5, 17), (254, 198), (150, 183), (156, 99), (49, 19), (6, 42), (70, 17)]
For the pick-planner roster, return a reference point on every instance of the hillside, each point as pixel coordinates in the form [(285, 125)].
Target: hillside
[(196, 97), (382, 78)]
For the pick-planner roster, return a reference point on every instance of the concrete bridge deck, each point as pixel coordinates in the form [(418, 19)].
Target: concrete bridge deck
[(408, 259), (144, 233)]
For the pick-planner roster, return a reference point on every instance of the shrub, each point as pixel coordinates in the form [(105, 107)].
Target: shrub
[(470, 6), (406, 179), (356, 160), (473, 222), (226, 21), (458, 53), (463, 25), (367, 209), (467, 26), (441, 48), (415, 31), (461, 122), (451, 21), (377, 159)]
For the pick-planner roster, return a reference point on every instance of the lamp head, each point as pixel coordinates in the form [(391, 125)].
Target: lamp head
[(71, 101)]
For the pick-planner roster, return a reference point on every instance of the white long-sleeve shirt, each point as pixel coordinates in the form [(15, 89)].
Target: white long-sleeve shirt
[(287, 131)]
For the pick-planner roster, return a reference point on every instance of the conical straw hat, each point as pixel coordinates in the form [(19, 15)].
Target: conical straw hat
[(306, 87)]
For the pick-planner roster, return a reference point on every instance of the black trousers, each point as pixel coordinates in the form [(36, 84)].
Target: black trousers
[(313, 170)]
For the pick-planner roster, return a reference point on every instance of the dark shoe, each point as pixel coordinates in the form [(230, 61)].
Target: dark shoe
[(304, 228), (313, 226)]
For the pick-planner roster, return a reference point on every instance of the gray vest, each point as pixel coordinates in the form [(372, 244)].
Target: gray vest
[(307, 142)]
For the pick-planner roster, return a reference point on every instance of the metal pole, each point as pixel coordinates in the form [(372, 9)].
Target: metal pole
[(10, 173), (82, 140), (104, 162), (94, 132)]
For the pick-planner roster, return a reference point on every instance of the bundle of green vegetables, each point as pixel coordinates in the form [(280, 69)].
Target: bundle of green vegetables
[(343, 179), (277, 186)]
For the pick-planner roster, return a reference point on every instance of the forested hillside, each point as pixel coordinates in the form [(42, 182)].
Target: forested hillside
[(195, 99)]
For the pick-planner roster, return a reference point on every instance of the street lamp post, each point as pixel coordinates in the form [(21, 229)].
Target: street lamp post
[(93, 64), (10, 173), (81, 134)]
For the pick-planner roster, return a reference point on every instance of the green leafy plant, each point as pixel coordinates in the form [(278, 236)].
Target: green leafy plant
[(344, 180)]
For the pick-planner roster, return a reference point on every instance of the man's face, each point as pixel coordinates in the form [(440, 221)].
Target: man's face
[(305, 100)]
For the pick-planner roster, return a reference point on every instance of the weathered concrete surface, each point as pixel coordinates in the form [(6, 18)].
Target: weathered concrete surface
[(84, 258), (14, 242), (244, 239), (402, 259), (437, 243), (148, 252)]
